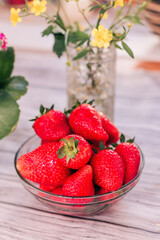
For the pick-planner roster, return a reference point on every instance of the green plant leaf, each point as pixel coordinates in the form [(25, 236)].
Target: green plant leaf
[(60, 22), (81, 54), (122, 138), (78, 36), (76, 141), (131, 140), (117, 46), (17, 87), (94, 7), (118, 13), (48, 31), (9, 113), (95, 150), (102, 146), (59, 45), (114, 144), (6, 65), (41, 109), (127, 49)]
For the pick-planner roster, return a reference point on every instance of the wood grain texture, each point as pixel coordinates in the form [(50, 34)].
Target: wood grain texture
[(137, 113)]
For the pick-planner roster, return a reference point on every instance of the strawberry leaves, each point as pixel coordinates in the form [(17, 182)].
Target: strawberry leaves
[(42, 111), (77, 104), (102, 146), (131, 140), (123, 139), (69, 149)]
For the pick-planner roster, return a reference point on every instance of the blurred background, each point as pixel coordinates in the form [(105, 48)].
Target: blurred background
[(144, 40)]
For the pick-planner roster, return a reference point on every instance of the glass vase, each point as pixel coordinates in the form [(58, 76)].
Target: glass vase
[(93, 77)]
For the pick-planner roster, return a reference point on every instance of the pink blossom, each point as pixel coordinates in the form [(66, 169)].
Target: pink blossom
[(3, 42)]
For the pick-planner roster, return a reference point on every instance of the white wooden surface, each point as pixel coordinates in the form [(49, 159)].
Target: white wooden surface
[(137, 113)]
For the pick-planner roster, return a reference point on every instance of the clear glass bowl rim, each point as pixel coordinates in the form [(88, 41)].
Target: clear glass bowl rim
[(142, 162)]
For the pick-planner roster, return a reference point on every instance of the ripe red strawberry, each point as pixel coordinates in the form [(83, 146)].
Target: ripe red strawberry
[(43, 166), (45, 141), (58, 191), (51, 125), (47, 188), (108, 169), (110, 128), (131, 157), (74, 151), (102, 191), (80, 183), (85, 121)]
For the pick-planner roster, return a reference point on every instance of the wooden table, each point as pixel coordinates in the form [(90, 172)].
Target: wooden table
[(137, 113)]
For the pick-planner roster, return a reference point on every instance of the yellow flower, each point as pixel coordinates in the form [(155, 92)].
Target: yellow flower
[(78, 49), (104, 16), (38, 7), (119, 3), (102, 37), (14, 16), (129, 25)]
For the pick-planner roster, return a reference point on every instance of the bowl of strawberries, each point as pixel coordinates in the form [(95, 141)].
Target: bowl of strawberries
[(78, 163)]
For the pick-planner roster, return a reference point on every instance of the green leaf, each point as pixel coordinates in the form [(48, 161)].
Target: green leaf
[(127, 49), (60, 150), (67, 159), (41, 109), (78, 36), (102, 11), (109, 148), (9, 113), (32, 120), (118, 13), (6, 65), (59, 45), (81, 43), (117, 46), (134, 19), (81, 54), (78, 103), (47, 31), (94, 7), (91, 102), (102, 146), (131, 140), (17, 87), (61, 155), (60, 22), (95, 150), (122, 138), (76, 141), (114, 144), (26, 2)]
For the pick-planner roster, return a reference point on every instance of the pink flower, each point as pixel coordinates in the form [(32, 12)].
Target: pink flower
[(3, 42)]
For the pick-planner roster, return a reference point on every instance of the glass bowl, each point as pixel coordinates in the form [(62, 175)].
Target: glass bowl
[(76, 206)]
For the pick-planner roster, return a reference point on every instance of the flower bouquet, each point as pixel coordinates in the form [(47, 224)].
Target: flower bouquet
[(90, 49)]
